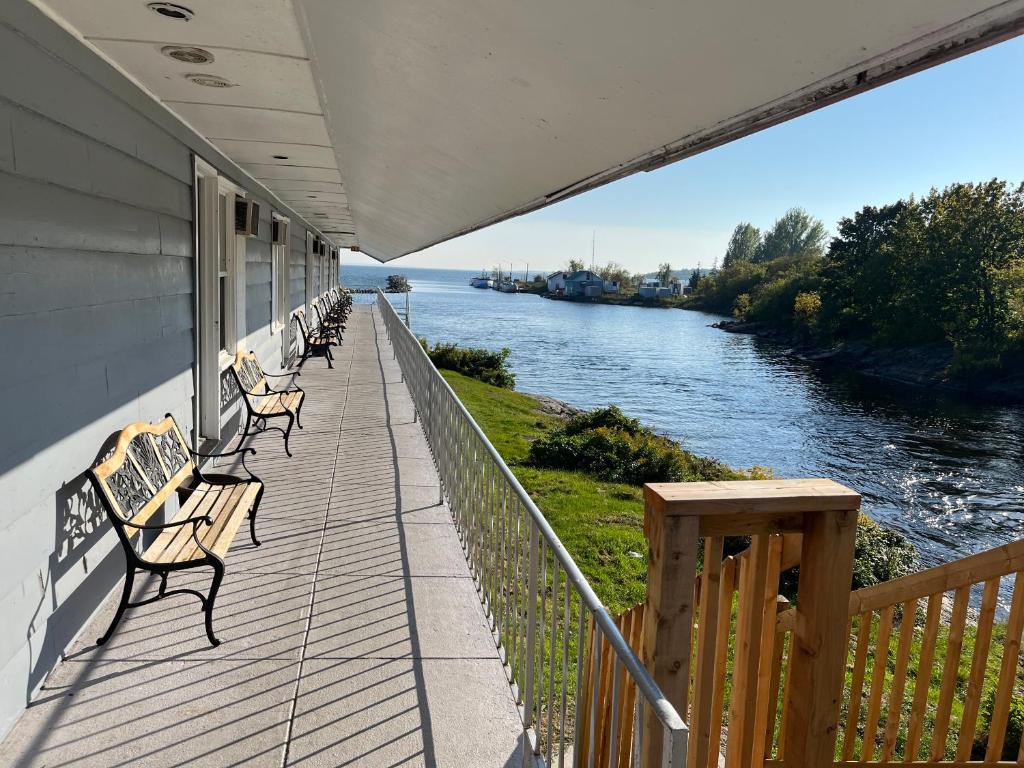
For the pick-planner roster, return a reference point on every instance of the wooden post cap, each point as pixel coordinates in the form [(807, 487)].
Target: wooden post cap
[(781, 498)]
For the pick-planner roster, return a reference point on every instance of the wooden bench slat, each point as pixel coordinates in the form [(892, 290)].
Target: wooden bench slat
[(227, 505)]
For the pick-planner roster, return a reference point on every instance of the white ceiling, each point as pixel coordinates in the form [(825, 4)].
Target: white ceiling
[(445, 116), (272, 109)]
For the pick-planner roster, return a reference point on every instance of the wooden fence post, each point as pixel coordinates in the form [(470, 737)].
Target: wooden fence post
[(668, 612), (819, 638), (676, 516)]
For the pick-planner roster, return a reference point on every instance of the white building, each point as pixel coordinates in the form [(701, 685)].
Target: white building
[(556, 282)]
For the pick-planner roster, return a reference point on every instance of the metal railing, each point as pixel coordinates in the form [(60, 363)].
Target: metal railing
[(541, 609)]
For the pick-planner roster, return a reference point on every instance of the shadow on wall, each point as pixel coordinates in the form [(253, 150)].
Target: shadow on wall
[(80, 524), (78, 557)]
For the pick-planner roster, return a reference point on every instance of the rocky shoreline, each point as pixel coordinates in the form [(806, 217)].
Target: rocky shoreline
[(924, 366)]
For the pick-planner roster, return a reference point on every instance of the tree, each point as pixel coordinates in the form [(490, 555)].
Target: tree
[(575, 265), (664, 273), (742, 245), (615, 272), (796, 233), (694, 278), (397, 283)]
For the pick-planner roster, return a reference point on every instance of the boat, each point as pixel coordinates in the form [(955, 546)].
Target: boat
[(508, 286), (484, 281)]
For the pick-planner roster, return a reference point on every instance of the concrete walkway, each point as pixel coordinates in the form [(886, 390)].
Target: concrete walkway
[(353, 636)]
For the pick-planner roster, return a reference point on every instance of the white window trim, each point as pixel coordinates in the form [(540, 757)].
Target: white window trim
[(280, 280), (235, 332)]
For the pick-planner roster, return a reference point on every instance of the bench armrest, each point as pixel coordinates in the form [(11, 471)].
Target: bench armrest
[(284, 375), (194, 521), (243, 451)]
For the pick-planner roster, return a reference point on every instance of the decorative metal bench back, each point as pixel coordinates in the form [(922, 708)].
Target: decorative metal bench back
[(249, 374), (148, 463)]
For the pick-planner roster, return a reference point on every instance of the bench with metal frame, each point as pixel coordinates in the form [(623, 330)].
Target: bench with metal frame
[(264, 402), (149, 464), (315, 341), (330, 324)]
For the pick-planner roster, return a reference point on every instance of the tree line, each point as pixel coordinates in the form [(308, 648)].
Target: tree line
[(946, 268)]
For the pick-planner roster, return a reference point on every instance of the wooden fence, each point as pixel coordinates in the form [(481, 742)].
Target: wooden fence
[(929, 665)]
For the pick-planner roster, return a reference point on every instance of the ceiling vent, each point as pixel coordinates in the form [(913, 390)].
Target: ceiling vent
[(187, 54), (209, 81), (171, 11)]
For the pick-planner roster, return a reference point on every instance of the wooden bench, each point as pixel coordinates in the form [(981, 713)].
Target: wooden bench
[(314, 341), (151, 462), (262, 401)]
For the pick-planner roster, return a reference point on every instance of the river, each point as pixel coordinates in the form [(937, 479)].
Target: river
[(947, 473)]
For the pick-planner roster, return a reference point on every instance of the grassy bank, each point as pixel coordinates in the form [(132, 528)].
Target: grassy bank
[(600, 523)]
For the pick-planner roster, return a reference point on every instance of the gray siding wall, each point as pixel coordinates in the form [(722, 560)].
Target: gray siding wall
[(97, 309), (96, 320)]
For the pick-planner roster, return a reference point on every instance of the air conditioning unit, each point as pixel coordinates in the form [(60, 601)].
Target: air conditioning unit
[(323, 247), (247, 216), (280, 232)]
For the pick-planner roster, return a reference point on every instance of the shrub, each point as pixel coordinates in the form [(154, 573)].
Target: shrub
[(481, 364), (607, 443), (741, 306), (880, 554), (806, 308)]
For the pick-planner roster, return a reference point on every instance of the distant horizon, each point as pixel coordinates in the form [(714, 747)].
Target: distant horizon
[(957, 122)]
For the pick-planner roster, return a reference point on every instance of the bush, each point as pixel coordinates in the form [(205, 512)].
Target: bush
[(607, 443), (481, 364), (880, 554), (806, 308)]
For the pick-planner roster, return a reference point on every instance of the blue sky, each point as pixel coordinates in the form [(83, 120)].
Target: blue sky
[(961, 121)]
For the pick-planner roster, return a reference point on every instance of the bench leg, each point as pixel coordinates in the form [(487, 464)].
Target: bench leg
[(126, 595), (288, 433), (252, 516), (163, 584), (298, 413), (248, 421), (218, 576), (329, 356)]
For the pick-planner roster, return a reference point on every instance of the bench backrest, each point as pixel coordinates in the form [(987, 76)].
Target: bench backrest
[(300, 318), (148, 463), (249, 374)]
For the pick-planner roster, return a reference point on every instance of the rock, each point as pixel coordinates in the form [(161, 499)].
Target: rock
[(554, 407)]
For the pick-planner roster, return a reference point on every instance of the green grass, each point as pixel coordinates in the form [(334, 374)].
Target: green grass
[(601, 524)]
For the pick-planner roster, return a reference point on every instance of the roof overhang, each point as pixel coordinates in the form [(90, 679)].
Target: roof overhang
[(404, 123)]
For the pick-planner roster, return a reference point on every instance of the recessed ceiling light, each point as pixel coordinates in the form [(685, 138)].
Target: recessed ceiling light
[(313, 196), (171, 11), (187, 54), (280, 157), (209, 81)]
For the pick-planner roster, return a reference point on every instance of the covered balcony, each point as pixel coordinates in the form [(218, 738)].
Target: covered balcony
[(354, 635), (177, 181)]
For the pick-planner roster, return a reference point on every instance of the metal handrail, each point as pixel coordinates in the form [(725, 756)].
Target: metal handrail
[(428, 388)]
